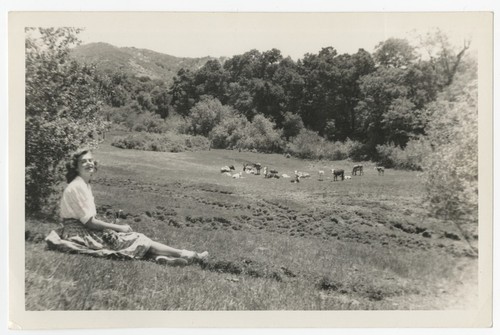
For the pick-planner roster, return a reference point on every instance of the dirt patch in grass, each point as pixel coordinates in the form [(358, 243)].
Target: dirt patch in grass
[(216, 207)]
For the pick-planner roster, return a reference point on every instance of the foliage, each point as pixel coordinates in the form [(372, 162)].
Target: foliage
[(177, 124), (292, 125), (167, 142), (331, 90), (149, 122), (451, 169), (447, 59), (63, 105), (228, 133), (411, 157), (206, 114), (377, 99), (309, 145), (261, 134), (395, 52)]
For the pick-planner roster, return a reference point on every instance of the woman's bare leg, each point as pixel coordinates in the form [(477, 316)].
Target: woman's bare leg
[(159, 249)]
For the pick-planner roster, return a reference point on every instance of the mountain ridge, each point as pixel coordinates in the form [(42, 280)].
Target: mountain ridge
[(136, 62)]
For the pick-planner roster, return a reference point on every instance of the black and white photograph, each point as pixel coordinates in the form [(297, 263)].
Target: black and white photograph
[(254, 162)]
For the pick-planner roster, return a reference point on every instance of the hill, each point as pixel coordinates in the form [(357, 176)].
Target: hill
[(133, 61)]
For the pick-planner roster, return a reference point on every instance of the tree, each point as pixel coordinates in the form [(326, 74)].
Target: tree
[(261, 134), (330, 130), (211, 79), (292, 125), (161, 99), (445, 58), (63, 104), (451, 169), (183, 92), (394, 52), (321, 83), (228, 132), (207, 114)]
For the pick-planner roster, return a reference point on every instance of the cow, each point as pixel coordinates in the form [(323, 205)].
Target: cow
[(271, 173), (380, 170), (356, 169), (252, 168), (336, 173), (227, 168)]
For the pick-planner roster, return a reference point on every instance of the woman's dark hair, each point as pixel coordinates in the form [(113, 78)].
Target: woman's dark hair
[(72, 164)]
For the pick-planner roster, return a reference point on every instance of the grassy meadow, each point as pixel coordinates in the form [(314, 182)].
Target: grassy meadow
[(360, 244)]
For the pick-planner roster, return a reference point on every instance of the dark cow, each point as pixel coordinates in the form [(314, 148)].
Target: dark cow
[(356, 169), (271, 173), (380, 170), (252, 166), (336, 173)]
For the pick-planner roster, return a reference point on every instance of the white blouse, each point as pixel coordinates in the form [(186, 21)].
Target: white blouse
[(77, 201)]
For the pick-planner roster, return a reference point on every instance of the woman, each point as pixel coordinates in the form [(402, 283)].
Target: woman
[(82, 232)]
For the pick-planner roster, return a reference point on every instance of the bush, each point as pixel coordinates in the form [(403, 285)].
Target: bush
[(309, 145), (261, 134), (227, 134), (451, 168), (292, 125), (168, 142), (175, 123), (409, 158), (63, 104), (207, 114), (149, 122)]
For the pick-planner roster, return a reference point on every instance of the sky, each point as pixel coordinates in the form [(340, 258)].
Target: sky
[(294, 34)]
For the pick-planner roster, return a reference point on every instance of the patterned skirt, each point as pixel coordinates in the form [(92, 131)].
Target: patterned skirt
[(73, 236)]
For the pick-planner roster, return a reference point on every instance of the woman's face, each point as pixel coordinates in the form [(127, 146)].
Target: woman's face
[(86, 166)]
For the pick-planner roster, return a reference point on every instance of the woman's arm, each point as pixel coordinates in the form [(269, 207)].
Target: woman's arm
[(97, 224)]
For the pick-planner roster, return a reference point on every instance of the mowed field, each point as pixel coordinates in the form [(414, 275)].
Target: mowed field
[(365, 243)]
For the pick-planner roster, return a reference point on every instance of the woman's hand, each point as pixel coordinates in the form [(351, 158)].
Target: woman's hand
[(125, 228)]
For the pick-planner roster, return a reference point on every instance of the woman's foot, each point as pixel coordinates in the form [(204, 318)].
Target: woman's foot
[(202, 256), (194, 256), (172, 261)]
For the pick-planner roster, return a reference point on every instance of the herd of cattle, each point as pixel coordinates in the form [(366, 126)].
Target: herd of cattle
[(256, 168)]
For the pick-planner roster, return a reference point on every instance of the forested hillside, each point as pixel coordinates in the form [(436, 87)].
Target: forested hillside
[(135, 62)]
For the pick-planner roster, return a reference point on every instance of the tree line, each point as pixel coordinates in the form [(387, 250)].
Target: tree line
[(376, 99)]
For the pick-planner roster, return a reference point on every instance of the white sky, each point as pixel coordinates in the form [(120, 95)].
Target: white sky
[(294, 34)]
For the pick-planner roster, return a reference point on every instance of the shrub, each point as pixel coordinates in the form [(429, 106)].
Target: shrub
[(309, 145), (343, 150), (451, 168), (176, 123), (167, 142), (207, 114), (149, 122), (228, 133), (292, 125), (261, 134), (63, 104), (409, 158)]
